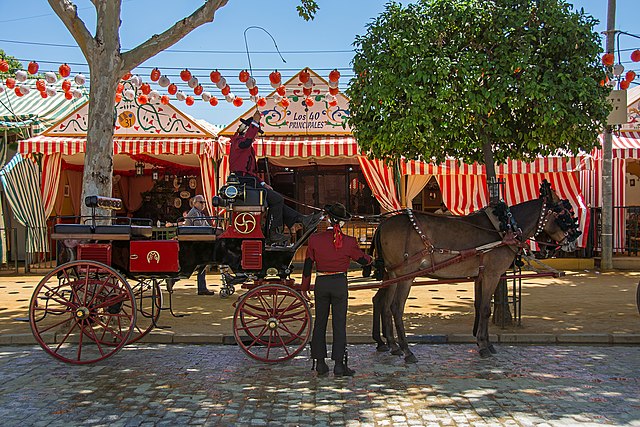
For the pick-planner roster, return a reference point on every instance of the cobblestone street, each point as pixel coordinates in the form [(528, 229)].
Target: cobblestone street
[(218, 385)]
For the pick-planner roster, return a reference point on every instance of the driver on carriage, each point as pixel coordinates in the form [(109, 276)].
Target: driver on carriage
[(242, 162)]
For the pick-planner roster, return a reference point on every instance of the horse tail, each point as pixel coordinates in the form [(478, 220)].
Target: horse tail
[(378, 262)]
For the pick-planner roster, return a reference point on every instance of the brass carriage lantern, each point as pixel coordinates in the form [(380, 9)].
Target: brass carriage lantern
[(155, 173), (139, 168)]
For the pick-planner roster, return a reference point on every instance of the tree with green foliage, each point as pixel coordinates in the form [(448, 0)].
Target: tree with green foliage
[(478, 80), (107, 64), (14, 65)]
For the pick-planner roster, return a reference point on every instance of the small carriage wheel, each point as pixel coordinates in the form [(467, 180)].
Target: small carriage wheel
[(272, 323), (82, 312), (148, 300), (638, 297)]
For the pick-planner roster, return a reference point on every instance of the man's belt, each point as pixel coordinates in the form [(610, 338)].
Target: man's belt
[(330, 273)]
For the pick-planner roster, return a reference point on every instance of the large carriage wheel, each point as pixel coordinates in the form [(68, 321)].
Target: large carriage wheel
[(148, 300), (82, 312), (272, 323), (638, 297)]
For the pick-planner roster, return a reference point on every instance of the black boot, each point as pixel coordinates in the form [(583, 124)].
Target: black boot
[(321, 367), (310, 221), (277, 238), (341, 369)]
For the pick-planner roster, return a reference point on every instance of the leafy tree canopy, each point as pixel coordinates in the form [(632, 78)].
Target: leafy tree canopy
[(14, 64), (444, 77)]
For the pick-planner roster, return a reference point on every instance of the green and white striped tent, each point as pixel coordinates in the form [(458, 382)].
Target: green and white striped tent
[(31, 111)]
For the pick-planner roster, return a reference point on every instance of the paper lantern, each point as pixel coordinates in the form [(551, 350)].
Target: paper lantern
[(136, 81), (145, 88), (281, 90), (251, 82), (333, 84), (309, 102), (618, 69), (2, 88), (185, 75), (285, 102), (334, 75), (198, 90), (68, 95), (41, 85), (164, 100), (51, 91), (261, 102), (243, 76), (44, 95), (275, 85), (253, 90), (308, 83), (275, 77), (155, 75), (143, 99), (10, 82), (154, 96), (17, 91), (66, 85), (330, 98), (4, 66), (306, 91), (172, 89), (215, 76), (118, 98), (237, 101), (221, 83), (635, 55), (206, 96), (129, 94), (189, 100), (253, 98), (64, 70), (180, 96), (277, 98), (630, 76), (334, 90), (226, 90), (193, 82), (25, 89), (608, 59), (80, 79), (333, 103), (230, 97), (50, 77), (33, 67), (213, 101), (77, 93), (164, 81), (21, 76), (304, 76), (127, 76), (119, 88), (624, 85)]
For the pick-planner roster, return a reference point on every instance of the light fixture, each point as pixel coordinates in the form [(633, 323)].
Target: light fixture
[(139, 168), (155, 172)]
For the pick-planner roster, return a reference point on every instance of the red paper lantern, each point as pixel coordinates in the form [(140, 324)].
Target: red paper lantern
[(44, 94), (41, 85), (306, 91), (253, 91), (334, 75), (64, 70), (261, 102), (189, 100), (127, 76), (333, 103), (18, 92), (243, 76), (32, 68), (172, 89), (608, 59), (215, 76), (145, 88), (213, 101), (118, 97), (119, 88), (198, 90), (164, 100), (635, 55), (282, 90), (10, 82), (304, 76), (309, 102), (143, 99), (624, 85), (275, 77), (334, 90), (226, 90), (285, 102), (185, 75), (66, 85), (4, 66), (68, 95), (237, 101), (155, 75), (630, 76)]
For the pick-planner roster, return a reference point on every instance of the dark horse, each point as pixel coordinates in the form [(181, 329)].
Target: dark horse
[(481, 245)]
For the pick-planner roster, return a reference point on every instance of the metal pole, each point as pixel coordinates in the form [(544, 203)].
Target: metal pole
[(607, 155)]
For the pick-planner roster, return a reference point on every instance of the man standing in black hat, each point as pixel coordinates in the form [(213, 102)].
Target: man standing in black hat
[(242, 162), (331, 251)]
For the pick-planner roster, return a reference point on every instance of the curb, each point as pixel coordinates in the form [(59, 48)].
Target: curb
[(507, 338)]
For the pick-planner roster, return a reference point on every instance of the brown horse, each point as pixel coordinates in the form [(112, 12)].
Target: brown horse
[(481, 245)]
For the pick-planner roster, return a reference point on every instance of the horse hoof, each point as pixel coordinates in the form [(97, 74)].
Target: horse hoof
[(382, 348), (484, 353), (411, 359), (492, 349), (397, 352)]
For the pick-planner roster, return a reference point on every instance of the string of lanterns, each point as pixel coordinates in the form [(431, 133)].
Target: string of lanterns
[(608, 60), (145, 93)]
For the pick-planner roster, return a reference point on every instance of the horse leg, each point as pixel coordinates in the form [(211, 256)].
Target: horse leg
[(400, 300), (387, 320), (477, 305), (378, 306), (487, 285)]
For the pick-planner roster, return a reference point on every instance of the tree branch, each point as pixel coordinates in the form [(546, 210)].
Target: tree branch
[(159, 42), (68, 14)]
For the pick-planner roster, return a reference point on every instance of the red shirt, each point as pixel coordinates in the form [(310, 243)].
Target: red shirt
[(244, 159), (322, 251)]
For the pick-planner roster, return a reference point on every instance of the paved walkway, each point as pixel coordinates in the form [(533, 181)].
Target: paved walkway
[(178, 385)]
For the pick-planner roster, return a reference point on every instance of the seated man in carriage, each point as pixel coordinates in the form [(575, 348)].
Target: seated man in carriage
[(242, 162)]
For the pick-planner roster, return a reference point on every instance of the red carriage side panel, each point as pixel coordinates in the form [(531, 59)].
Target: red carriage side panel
[(154, 256), (100, 252), (252, 255)]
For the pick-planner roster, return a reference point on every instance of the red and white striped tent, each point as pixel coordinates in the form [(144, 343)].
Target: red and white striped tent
[(155, 134)]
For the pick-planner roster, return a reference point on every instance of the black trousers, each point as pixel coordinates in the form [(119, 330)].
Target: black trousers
[(330, 293), (277, 209)]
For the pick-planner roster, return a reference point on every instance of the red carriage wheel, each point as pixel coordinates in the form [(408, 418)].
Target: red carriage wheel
[(272, 323), (148, 300), (638, 297), (82, 312)]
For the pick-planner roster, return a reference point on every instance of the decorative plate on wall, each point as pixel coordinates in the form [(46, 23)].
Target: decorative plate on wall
[(176, 182), (193, 183), (177, 202), (185, 194)]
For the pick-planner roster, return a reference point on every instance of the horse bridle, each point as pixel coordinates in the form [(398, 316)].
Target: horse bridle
[(570, 232)]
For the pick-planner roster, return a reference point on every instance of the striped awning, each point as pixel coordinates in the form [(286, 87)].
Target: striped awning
[(455, 167), (73, 145), (625, 145), (302, 146), (31, 110)]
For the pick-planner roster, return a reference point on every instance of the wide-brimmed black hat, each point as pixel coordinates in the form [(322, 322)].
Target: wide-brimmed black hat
[(248, 122), (337, 211)]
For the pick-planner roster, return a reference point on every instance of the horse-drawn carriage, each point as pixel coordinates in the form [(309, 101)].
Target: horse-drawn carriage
[(85, 309)]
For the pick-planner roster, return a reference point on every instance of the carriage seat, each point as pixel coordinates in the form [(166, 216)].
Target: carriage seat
[(72, 229), (141, 231), (255, 200), (191, 230)]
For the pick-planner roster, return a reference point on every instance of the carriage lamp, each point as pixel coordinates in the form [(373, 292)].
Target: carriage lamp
[(139, 168), (155, 172)]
